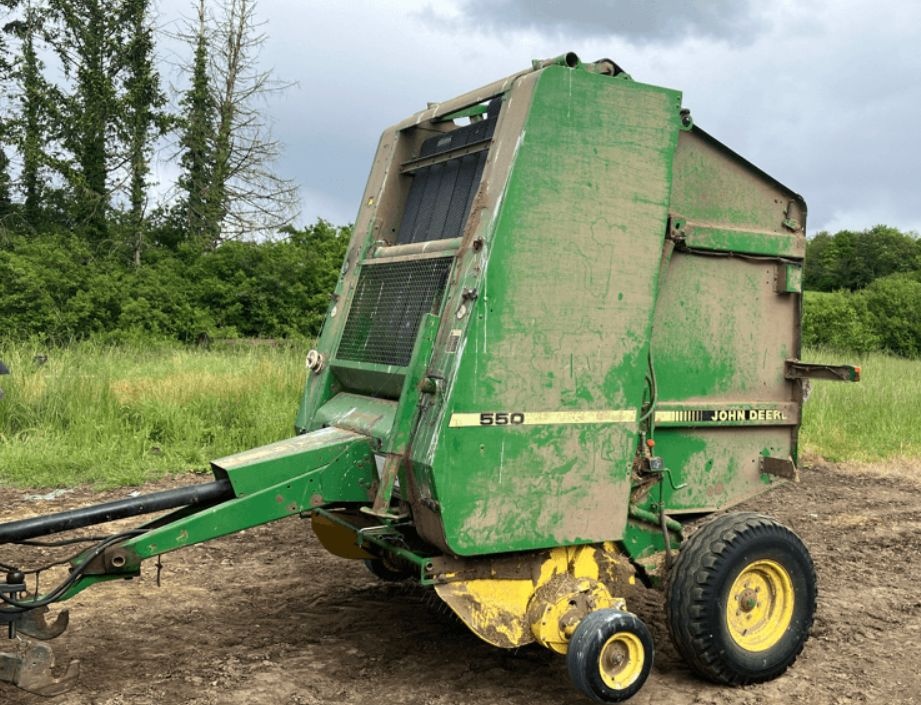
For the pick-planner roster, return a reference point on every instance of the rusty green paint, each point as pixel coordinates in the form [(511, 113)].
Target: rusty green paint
[(367, 415), (722, 332), (745, 242), (396, 444), (716, 469), (716, 188), (329, 466), (254, 470), (568, 299), (569, 254), (569, 302)]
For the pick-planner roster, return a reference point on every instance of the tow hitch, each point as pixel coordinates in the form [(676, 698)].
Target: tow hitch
[(26, 663)]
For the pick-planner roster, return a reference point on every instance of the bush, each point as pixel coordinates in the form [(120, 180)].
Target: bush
[(53, 288), (838, 320), (885, 316), (894, 304)]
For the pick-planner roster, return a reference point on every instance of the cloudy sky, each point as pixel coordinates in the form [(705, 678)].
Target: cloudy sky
[(822, 94)]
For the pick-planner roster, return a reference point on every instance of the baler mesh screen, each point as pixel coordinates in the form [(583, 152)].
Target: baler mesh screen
[(387, 308)]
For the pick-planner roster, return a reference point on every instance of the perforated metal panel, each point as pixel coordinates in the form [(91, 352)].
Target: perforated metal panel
[(388, 306)]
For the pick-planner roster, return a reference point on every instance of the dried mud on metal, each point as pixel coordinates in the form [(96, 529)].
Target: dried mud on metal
[(267, 617)]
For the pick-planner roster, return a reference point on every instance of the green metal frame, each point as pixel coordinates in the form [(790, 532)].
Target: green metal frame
[(619, 280)]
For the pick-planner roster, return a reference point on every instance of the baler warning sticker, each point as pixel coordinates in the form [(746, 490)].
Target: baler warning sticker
[(542, 418)]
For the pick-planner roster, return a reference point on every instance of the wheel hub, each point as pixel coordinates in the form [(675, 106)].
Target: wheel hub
[(622, 659), (761, 605), (748, 600)]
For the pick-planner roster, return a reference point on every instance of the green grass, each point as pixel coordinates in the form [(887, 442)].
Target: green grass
[(122, 415), (874, 419)]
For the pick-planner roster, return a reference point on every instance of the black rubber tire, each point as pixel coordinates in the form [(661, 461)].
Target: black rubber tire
[(585, 652), (385, 570), (697, 595)]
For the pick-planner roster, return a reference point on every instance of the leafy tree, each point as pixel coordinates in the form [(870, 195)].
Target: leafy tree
[(88, 40), (852, 260), (143, 120), (29, 127), (198, 116), (6, 66), (5, 194)]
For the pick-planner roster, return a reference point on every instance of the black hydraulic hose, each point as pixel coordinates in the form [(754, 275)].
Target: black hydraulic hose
[(17, 606), (25, 529)]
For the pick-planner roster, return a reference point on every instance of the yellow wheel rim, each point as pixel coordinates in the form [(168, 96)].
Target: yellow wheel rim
[(760, 606), (621, 660)]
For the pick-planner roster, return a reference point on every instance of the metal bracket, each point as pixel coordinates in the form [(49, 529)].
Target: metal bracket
[(30, 667), (780, 467), (796, 369), (33, 623)]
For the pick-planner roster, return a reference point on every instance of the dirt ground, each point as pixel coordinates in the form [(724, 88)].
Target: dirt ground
[(268, 618)]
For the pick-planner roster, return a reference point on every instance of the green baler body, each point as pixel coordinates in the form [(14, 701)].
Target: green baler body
[(561, 333), (612, 254)]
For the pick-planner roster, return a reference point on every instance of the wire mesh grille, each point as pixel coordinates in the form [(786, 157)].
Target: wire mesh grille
[(387, 308)]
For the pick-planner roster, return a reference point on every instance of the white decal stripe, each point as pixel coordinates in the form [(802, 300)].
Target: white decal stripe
[(550, 418)]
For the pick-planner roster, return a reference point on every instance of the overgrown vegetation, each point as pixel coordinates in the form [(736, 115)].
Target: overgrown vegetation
[(83, 112), (55, 289), (866, 292), (875, 419), (88, 247), (126, 414), (115, 415)]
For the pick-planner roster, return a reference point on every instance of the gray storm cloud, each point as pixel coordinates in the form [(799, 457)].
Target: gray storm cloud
[(734, 21)]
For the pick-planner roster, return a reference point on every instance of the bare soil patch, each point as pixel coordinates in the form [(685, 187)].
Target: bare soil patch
[(267, 617)]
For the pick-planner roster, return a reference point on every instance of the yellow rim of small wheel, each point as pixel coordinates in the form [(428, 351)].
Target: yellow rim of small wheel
[(760, 606), (621, 660)]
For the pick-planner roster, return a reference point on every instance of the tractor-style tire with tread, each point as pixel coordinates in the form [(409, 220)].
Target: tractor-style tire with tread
[(610, 655), (740, 599)]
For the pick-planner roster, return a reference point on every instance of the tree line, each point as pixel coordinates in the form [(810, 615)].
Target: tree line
[(85, 110), (89, 244), (57, 290), (864, 291)]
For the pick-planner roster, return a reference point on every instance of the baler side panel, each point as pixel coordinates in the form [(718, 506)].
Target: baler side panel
[(722, 332), (715, 187), (471, 261), (725, 324), (559, 331)]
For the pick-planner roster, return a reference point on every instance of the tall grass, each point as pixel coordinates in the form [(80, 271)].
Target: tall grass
[(877, 418), (122, 415)]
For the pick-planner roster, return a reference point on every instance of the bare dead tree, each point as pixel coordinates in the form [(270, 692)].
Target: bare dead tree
[(247, 197)]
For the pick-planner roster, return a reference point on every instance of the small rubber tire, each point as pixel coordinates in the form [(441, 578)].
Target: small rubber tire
[(610, 655), (385, 570), (741, 566)]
